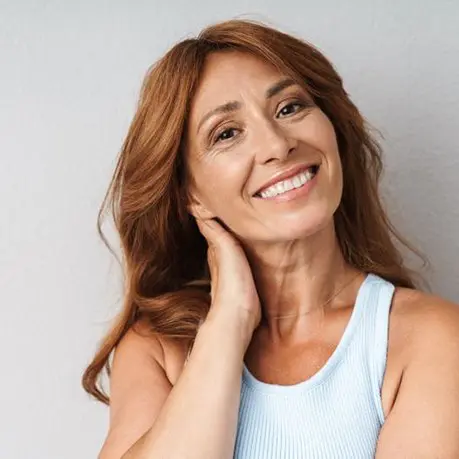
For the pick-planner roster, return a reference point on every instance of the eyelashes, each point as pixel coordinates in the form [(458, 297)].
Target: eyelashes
[(292, 104), (226, 133), (219, 135)]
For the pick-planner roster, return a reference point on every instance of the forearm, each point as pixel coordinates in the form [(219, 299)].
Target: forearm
[(199, 418)]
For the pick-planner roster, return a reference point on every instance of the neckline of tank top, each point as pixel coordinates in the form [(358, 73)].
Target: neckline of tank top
[(249, 380)]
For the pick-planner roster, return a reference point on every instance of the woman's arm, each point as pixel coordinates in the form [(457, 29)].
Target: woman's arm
[(424, 421), (198, 417)]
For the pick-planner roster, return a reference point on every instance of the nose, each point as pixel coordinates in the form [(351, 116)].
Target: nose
[(272, 141)]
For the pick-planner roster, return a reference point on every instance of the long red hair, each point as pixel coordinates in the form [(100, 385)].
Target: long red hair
[(164, 255)]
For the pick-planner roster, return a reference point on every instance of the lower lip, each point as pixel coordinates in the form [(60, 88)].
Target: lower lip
[(293, 193)]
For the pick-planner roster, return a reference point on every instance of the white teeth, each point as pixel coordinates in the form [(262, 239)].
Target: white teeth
[(287, 185)]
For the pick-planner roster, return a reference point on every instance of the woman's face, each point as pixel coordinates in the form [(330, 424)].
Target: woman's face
[(250, 128)]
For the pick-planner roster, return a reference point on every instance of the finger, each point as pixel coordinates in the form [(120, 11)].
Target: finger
[(211, 230), (215, 233), (211, 261), (213, 271)]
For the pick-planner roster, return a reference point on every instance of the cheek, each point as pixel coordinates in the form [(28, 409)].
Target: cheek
[(335, 175), (325, 132), (322, 137), (328, 144), (221, 182)]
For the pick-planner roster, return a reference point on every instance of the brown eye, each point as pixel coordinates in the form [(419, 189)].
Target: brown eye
[(224, 135), (293, 107)]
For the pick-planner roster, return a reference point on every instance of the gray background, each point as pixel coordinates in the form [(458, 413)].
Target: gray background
[(70, 75)]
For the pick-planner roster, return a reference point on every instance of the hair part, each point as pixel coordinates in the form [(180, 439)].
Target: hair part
[(164, 259)]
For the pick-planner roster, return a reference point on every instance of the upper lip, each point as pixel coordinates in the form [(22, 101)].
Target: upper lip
[(284, 175)]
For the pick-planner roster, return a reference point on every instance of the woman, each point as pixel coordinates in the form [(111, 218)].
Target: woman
[(246, 156)]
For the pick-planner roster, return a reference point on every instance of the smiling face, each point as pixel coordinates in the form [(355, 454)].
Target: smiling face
[(251, 127)]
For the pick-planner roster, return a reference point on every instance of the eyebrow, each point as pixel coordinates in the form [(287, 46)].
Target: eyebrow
[(279, 86), (232, 106)]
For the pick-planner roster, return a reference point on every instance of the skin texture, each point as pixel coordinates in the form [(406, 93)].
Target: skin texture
[(290, 248)]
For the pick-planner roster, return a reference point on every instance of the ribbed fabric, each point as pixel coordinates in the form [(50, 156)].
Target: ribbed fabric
[(337, 413)]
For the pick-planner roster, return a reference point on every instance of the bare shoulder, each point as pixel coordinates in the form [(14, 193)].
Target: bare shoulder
[(421, 320), (140, 343), (145, 367), (423, 420)]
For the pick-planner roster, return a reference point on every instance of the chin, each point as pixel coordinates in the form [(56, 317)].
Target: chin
[(299, 225)]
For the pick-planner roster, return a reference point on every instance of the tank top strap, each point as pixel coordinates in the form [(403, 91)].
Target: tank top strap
[(376, 319)]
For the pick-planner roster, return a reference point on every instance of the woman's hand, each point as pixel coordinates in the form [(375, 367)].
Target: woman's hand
[(233, 292)]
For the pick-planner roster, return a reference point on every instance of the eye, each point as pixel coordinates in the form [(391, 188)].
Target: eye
[(292, 107), (223, 135)]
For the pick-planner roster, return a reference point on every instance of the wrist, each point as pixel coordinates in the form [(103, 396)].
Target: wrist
[(232, 327)]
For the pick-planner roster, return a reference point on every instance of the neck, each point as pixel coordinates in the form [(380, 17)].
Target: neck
[(298, 280)]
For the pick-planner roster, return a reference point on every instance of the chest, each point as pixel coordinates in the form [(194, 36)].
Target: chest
[(288, 365), (328, 421), (293, 364)]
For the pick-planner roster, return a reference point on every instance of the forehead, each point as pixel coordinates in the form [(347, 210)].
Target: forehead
[(228, 76)]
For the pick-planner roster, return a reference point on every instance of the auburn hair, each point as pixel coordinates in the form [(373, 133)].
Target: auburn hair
[(164, 258)]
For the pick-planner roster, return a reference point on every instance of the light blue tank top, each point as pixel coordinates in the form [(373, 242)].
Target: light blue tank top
[(337, 413)]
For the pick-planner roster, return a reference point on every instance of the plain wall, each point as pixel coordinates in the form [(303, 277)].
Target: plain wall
[(70, 76)]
